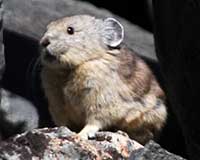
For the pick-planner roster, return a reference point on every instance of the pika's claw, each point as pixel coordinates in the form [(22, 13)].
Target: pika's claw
[(91, 135), (88, 136), (89, 132)]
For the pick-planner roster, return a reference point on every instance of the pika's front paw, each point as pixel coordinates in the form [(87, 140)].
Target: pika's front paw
[(87, 136), (88, 132)]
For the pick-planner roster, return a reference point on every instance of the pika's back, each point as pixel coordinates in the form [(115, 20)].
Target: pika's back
[(137, 75)]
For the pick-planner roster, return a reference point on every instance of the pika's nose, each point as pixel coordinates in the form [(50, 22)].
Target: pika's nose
[(44, 41)]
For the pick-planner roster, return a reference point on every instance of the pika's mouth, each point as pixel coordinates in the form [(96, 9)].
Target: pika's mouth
[(49, 56)]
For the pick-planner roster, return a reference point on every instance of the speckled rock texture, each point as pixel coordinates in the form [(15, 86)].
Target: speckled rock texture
[(61, 143)]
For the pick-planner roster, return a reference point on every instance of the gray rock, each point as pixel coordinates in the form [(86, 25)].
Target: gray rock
[(16, 114), (29, 18), (177, 42), (61, 143), (153, 151)]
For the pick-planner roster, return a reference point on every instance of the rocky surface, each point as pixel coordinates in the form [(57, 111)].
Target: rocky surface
[(61, 143), (153, 151), (17, 114)]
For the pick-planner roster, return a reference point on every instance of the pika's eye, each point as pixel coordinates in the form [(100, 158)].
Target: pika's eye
[(70, 30)]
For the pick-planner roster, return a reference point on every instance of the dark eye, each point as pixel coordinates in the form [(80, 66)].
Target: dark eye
[(70, 30)]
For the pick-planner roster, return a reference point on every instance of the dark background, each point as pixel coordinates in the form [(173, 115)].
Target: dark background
[(137, 11)]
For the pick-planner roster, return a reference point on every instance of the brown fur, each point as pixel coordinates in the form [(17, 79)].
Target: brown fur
[(101, 89)]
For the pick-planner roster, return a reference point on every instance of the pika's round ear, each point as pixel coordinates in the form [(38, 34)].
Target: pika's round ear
[(112, 33)]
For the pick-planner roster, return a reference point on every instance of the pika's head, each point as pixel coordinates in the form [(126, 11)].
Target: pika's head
[(71, 41)]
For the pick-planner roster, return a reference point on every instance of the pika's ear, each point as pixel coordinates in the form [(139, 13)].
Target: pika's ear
[(112, 33)]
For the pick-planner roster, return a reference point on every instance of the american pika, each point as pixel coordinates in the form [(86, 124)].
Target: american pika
[(93, 82)]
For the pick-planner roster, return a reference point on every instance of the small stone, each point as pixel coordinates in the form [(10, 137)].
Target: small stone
[(122, 133), (63, 132)]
